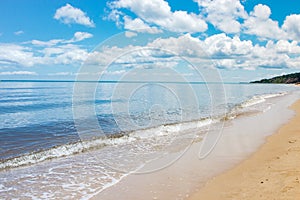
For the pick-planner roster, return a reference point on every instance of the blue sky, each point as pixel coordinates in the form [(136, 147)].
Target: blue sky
[(246, 40)]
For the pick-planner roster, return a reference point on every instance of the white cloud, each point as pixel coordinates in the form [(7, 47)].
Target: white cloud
[(228, 16), (22, 56), (232, 52), (117, 72), (181, 21), (46, 43), (260, 24), (130, 34), (134, 24), (262, 12), (284, 46), (18, 73), (223, 14), (61, 74), (138, 25), (51, 51), (158, 13), (220, 46), (79, 36), (160, 52), (184, 45), (71, 54), (116, 16), (19, 32), (71, 15), (292, 26), (128, 57), (18, 55), (221, 49), (150, 10)]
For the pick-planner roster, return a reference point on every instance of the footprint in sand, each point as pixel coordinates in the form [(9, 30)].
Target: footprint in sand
[(294, 149), (286, 189), (292, 141)]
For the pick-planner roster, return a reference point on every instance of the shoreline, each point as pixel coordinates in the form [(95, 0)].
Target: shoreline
[(189, 174), (176, 174), (271, 172)]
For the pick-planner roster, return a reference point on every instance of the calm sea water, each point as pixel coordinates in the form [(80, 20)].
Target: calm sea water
[(123, 125), (35, 116)]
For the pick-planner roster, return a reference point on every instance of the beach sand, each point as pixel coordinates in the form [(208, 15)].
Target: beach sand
[(239, 140), (272, 172)]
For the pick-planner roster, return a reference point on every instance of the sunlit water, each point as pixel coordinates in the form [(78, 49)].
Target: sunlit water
[(47, 152)]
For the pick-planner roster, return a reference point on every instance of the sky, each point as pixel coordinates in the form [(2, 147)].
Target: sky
[(242, 40)]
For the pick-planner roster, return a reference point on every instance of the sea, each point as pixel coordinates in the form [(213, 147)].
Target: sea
[(72, 140)]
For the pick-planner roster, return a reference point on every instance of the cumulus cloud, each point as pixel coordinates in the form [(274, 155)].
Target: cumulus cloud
[(184, 45), (13, 54), (236, 53), (228, 16), (221, 46), (260, 24), (292, 26), (281, 49), (223, 14), (290, 48), (79, 36), (24, 56), (71, 54), (262, 12), (225, 51), (138, 25), (133, 24), (217, 50), (71, 15), (221, 49), (158, 13)]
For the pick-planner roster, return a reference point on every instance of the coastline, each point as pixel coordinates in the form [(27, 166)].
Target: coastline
[(189, 174), (272, 172), (176, 173)]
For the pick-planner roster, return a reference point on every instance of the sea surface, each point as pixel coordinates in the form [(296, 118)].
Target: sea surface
[(74, 139)]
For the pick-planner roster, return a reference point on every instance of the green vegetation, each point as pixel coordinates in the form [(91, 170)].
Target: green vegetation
[(287, 79)]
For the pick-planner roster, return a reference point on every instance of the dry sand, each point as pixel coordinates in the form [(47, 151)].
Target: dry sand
[(273, 172)]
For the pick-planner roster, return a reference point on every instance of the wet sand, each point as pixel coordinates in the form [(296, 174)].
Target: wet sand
[(272, 172), (184, 178)]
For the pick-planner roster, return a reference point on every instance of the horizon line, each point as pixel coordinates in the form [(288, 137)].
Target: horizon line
[(116, 81)]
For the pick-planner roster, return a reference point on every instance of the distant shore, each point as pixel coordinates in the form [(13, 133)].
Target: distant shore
[(270, 173)]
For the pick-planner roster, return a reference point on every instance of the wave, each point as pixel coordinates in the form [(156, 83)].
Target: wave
[(98, 143), (62, 151), (123, 138), (168, 129), (260, 99), (250, 105)]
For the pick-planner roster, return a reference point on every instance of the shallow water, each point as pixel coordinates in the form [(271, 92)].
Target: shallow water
[(42, 147)]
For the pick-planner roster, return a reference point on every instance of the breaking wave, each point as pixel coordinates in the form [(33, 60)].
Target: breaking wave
[(123, 138)]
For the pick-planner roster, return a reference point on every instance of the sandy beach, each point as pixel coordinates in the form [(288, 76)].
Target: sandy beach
[(272, 172)]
